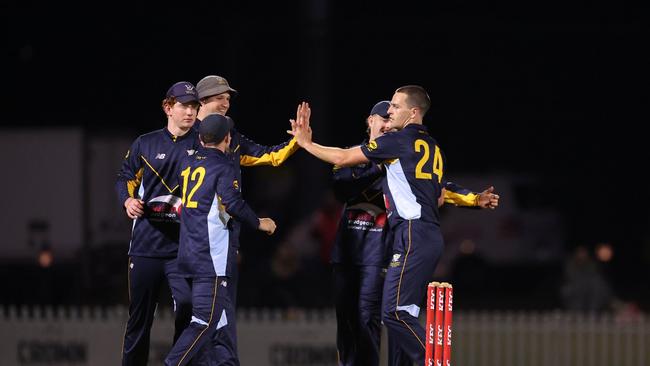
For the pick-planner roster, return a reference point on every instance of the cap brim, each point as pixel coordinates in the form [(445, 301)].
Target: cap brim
[(187, 99), (216, 91)]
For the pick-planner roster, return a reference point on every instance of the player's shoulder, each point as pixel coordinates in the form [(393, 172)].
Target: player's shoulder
[(392, 133), (192, 132), (388, 138), (192, 157), (418, 131), (216, 159), (219, 166), (152, 135), (235, 135)]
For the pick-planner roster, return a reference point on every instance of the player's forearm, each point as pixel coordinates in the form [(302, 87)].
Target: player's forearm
[(243, 213), (332, 155), (336, 155), (125, 190)]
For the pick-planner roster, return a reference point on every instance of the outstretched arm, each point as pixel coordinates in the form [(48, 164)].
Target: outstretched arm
[(461, 196), (302, 131)]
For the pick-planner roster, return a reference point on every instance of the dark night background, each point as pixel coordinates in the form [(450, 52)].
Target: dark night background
[(557, 91)]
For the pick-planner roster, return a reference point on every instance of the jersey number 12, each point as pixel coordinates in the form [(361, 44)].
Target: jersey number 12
[(196, 176)]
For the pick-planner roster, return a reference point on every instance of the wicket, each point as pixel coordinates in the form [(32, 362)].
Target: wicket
[(440, 298)]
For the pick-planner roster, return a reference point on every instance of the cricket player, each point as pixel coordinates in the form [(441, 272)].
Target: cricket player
[(212, 202), (148, 188), (215, 94), (414, 164), (362, 251)]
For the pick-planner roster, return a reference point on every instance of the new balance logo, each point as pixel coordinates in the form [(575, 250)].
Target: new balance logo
[(160, 156)]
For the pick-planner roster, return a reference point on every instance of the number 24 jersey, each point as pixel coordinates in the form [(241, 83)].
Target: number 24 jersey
[(414, 169)]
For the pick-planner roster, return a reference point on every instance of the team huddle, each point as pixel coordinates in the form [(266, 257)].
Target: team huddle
[(181, 185)]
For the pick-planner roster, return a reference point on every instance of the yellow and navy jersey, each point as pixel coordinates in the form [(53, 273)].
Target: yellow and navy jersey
[(249, 153), (414, 166), (246, 152), (211, 199), (150, 172), (360, 237), (459, 196)]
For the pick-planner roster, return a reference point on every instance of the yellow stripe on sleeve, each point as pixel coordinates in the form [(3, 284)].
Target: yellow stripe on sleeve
[(274, 158), (133, 184), (460, 199)]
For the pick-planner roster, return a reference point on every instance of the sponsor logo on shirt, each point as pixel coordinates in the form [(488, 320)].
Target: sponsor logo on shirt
[(365, 221), (164, 209), (160, 156)]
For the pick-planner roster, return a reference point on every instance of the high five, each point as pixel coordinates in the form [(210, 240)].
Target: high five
[(414, 171)]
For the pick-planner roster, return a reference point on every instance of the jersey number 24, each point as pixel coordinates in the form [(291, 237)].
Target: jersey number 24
[(420, 173)]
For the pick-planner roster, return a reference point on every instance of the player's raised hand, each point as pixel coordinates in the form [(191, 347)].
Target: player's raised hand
[(488, 199), (300, 128), (267, 225), (134, 207), (303, 114)]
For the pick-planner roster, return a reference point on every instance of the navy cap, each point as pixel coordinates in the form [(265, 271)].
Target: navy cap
[(381, 109), (214, 128), (184, 92)]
